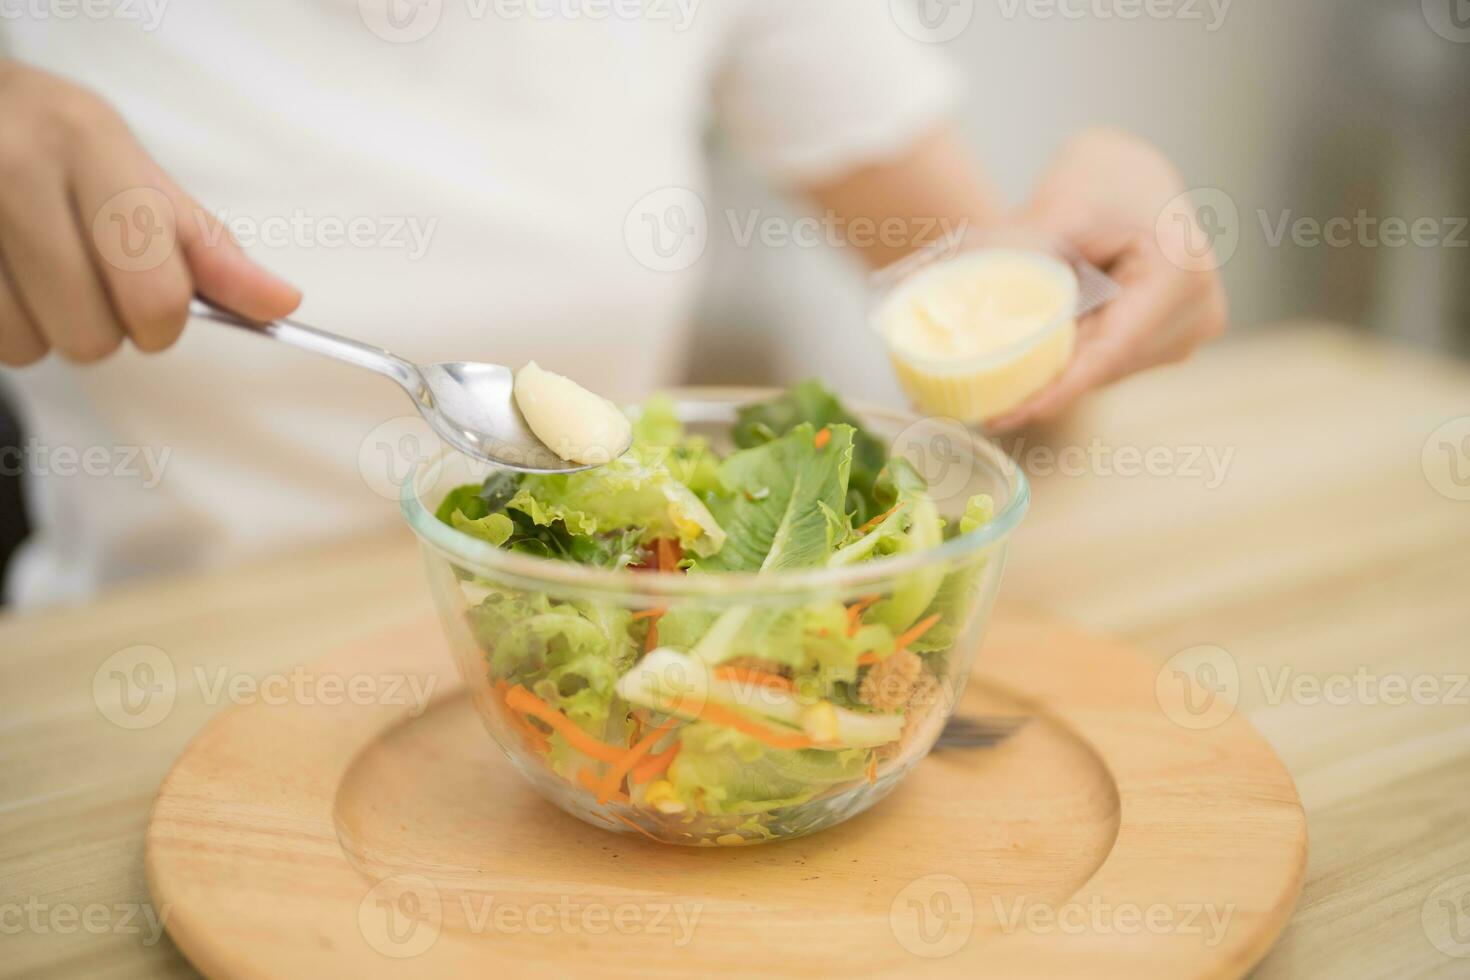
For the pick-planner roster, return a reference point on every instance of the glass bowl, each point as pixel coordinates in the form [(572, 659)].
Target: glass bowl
[(698, 781)]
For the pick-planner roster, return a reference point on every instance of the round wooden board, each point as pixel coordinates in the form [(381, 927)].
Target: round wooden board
[(331, 837)]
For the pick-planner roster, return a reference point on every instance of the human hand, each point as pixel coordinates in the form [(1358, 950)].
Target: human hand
[(97, 243), (1104, 196)]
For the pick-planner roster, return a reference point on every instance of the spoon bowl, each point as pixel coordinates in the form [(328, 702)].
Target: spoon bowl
[(468, 404), (471, 405)]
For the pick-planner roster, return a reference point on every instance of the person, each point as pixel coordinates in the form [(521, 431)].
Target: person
[(452, 179)]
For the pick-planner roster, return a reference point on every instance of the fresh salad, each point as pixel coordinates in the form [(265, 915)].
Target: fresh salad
[(727, 711)]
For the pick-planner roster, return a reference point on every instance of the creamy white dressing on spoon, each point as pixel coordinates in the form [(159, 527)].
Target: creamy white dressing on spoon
[(576, 424)]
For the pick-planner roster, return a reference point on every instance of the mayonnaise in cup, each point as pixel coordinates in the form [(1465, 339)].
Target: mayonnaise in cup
[(974, 335)]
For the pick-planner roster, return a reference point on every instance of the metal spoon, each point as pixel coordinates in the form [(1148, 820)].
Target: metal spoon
[(470, 405)]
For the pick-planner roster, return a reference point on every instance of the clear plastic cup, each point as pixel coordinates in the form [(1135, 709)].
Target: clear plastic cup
[(975, 327)]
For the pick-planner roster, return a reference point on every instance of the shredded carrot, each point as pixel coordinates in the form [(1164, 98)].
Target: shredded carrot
[(855, 613), (873, 768), (653, 616), (535, 736), (637, 828), (915, 631), (823, 436), (620, 769), (720, 715), (902, 640), (589, 782), (879, 519), (749, 675), (520, 699), (669, 554), (655, 765)]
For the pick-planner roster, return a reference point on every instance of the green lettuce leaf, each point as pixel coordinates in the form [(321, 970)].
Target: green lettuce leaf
[(782, 501), (629, 493), (614, 549), (955, 599), (659, 438), (475, 501), (494, 528), (721, 771), (657, 425), (568, 654), (979, 511), (923, 529), (811, 403)]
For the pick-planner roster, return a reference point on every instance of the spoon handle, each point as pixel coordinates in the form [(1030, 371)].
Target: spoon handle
[(318, 342)]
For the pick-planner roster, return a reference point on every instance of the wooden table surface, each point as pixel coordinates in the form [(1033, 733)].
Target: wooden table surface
[(1324, 550)]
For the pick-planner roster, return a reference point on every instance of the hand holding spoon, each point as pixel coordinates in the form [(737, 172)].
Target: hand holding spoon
[(470, 405)]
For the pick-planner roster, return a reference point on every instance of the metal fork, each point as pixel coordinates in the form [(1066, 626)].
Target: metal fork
[(979, 732)]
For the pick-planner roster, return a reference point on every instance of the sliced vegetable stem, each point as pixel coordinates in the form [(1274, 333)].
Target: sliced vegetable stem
[(720, 715), (749, 675)]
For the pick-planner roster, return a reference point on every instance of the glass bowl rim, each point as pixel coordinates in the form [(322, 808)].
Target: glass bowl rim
[(530, 572)]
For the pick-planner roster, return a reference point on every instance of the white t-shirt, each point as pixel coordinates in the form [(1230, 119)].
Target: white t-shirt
[(450, 179)]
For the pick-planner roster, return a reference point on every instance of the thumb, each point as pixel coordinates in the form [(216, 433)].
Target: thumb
[(222, 272)]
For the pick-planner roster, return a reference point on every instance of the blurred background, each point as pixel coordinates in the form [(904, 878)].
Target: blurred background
[(1299, 112), (1293, 113)]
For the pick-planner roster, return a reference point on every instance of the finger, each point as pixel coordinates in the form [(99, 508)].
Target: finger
[(50, 265), (20, 342), (134, 239), (1105, 342), (1099, 241), (224, 273)]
